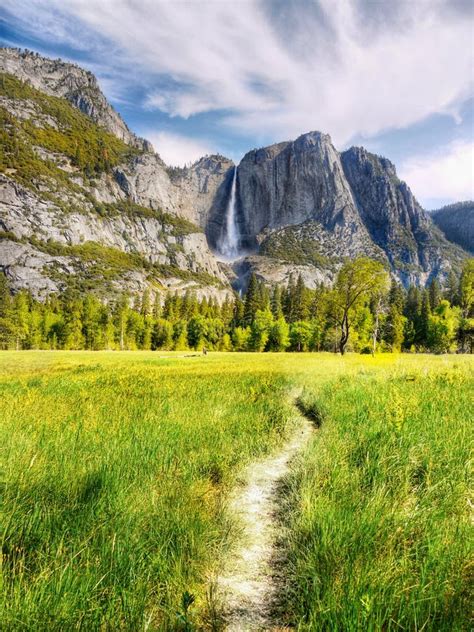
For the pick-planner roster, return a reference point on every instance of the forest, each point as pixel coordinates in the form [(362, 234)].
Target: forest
[(364, 311)]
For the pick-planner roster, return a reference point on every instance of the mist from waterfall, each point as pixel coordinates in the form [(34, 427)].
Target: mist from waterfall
[(229, 244)]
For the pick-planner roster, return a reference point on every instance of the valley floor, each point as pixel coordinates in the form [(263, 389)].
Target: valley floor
[(126, 499)]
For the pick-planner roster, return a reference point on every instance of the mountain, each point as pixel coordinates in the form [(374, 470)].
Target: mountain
[(85, 203), (57, 78), (302, 203), (456, 221)]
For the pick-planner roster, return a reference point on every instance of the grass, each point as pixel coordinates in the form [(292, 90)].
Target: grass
[(380, 534), (115, 468)]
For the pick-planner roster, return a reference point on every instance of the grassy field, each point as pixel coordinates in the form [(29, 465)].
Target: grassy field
[(115, 468), (381, 523)]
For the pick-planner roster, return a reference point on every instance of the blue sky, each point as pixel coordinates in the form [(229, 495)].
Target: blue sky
[(227, 76)]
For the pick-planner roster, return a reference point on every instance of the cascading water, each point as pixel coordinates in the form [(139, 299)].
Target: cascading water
[(229, 245)]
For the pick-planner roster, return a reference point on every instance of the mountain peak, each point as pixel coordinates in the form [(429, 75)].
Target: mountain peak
[(80, 87)]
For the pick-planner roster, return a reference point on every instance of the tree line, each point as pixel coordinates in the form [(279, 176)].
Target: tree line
[(363, 312)]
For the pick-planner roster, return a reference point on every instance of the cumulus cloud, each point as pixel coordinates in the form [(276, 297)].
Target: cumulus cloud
[(177, 150), (277, 68), (446, 175)]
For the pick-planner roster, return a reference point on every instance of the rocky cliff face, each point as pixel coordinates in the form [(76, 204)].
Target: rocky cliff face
[(107, 223), (84, 202), (309, 205), (60, 79), (290, 183), (456, 221), (395, 221)]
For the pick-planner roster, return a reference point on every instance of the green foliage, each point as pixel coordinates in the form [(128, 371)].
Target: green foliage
[(442, 327), (64, 130), (290, 246), (173, 225), (379, 535), (79, 319), (357, 283)]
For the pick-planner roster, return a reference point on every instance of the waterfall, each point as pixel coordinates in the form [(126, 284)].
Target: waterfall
[(229, 246)]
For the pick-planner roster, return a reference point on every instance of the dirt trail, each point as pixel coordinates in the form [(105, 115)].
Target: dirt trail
[(247, 586)]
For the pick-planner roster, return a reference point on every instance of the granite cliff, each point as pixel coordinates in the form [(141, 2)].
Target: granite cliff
[(86, 203)]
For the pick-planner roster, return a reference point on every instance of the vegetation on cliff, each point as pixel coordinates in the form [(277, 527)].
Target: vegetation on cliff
[(56, 126)]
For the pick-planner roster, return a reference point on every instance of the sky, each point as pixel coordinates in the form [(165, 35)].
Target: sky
[(226, 76)]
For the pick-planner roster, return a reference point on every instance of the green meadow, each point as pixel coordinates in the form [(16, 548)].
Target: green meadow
[(116, 468)]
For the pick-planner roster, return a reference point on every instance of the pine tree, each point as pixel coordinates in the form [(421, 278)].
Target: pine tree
[(435, 294), (238, 313), (451, 292), (146, 304), (20, 318), (289, 306), (424, 320), (251, 303), (411, 312), (157, 306), (301, 300), (276, 305)]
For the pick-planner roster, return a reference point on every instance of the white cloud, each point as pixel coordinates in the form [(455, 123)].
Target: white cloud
[(447, 175), (177, 150), (279, 69)]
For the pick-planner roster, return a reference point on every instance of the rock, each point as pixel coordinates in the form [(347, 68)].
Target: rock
[(301, 207), (456, 221), (80, 87)]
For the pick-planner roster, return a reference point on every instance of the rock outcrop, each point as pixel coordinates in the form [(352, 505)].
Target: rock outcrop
[(125, 219), (61, 79), (305, 203), (456, 221)]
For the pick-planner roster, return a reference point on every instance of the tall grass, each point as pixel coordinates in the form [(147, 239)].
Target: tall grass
[(380, 536), (114, 471)]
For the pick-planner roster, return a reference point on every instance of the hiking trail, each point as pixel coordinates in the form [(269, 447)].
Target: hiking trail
[(247, 586)]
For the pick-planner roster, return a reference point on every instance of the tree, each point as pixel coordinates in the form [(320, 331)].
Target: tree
[(424, 319), (73, 338), (301, 300), (394, 326), (466, 301), (251, 303), (180, 335), (378, 304), (240, 338), (162, 335), (197, 331), (300, 335), (357, 282), (442, 328), (451, 292), (146, 305), (260, 330), (20, 318), (121, 315), (279, 338), (275, 303), (435, 294), (466, 289)]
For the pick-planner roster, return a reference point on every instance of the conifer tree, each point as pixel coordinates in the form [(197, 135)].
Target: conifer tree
[(435, 294), (275, 303), (252, 302), (424, 320), (301, 300)]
